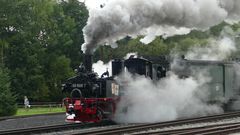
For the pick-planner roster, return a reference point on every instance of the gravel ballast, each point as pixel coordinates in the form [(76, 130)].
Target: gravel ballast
[(185, 126), (32, 121)]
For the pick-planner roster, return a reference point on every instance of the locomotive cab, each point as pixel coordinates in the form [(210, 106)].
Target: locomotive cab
[(152, 67), (139, 66)]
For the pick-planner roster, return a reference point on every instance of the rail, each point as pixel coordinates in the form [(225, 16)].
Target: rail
[(144, 127), (217, 129)]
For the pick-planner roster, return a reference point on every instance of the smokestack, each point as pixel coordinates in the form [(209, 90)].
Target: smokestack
[(88, 62)]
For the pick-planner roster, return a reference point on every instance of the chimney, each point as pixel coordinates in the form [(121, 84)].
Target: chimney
[(88, 62)]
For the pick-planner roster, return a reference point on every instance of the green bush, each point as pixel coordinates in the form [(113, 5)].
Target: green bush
[(8, 104)]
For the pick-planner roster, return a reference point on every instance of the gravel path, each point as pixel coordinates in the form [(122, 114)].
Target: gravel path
[(32, 121)]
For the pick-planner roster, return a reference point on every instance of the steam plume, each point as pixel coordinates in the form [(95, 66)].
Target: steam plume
[(99, 67), (217, 50), (169, 99), (220, 48), (118, 19)]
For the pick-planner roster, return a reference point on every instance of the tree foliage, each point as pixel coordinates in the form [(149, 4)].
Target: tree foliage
[(40, 44), (8, 104)]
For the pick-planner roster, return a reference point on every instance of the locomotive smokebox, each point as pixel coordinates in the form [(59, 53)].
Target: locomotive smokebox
[(88, 62)]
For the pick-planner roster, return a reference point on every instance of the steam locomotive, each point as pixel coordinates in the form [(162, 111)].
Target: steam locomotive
[(94, 98)]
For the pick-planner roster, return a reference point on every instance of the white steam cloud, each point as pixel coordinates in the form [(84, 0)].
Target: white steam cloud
[(119, 18), (131, 54), (99, 67), (170, 98), (216, 50)]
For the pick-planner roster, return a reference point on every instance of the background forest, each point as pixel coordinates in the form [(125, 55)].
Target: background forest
[(40, 46)]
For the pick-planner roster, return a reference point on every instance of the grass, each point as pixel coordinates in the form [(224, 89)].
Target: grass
[(39, 110)]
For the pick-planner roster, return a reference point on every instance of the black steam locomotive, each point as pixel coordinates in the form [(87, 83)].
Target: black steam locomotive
[(95, 98)]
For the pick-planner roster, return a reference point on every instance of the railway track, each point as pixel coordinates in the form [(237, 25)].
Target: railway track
[(53, 128), (145, 127), (210, 129)]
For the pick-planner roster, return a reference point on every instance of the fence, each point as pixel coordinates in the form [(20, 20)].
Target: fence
[(42, 104)]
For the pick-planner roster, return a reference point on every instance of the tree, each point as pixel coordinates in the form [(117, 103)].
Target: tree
[(79, 14), (34, 34), (24, 32), (64, 41), (8, 104), (57, 71)]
